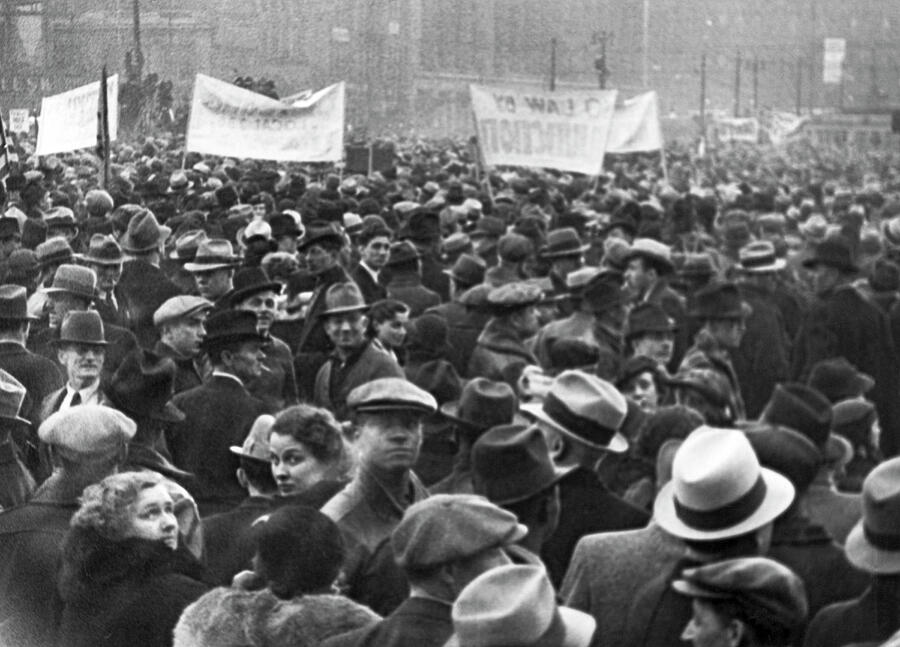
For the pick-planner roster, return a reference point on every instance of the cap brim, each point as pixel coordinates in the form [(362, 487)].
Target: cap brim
[(400, 406), (84, 258), (618, 444), (338, 311), (60, 342), (865, 556), (779, 496), (240, 295), (559, 473), (777, 266), (64, 290), (563, 253), (690, 589), (203, 267)]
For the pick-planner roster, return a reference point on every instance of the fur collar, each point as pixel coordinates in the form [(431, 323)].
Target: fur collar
[(91, 561)]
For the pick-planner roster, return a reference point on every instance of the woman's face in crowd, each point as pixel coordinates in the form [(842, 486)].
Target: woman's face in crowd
[(392, 332), (153, 516), (707, 628), (643, 391), (294, 467)]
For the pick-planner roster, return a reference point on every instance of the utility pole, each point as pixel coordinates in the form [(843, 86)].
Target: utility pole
[(602, 38), (799, 98), (737, 85), (645, 45), (755, 84), (138, 54), (552, 64), (703, 93)]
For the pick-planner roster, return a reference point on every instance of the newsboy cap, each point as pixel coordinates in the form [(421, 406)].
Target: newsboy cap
[(391, 394), (184, 305), (761, 586), (88, 429), (449, 527)]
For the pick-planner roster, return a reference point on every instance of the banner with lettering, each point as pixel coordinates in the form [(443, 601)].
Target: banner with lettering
[(228, 120), (562, 129), (68, 121), (18, 120), (635, 126)]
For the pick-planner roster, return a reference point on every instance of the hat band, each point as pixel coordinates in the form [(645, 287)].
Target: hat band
[(759, 261), (727, 515), (881, 540), (587, 428), (214, 260)]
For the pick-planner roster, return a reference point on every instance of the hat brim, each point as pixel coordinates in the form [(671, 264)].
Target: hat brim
[(815, 261), (84, 258), (618, 444), (559, 473), (339, 311), (377, 407), (164, 233), (239, 452), (239, 295), (837, 450), (776, 266), (863, 555), (450, 411), (779, 496), (92, 297), (665, 264), (26, 317), (209, 267), (61, 342), (16, 419), (575, 251)]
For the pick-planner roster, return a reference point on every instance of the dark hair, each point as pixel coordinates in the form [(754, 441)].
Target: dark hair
[(8, 326), (298, 550), (671, 422), (259, 474), (315, 427), (382, 311), (761, 625)]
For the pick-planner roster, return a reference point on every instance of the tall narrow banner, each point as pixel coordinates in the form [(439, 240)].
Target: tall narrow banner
[(635, 126), (69, 120), (4, 155), (563, 129), (228, 120)]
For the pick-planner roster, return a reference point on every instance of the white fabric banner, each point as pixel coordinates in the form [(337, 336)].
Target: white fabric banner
[(635, 126), (69, 120), (779, 126), (228, 120), (833, 60), (737, 129), (564, 129), (18, 120)]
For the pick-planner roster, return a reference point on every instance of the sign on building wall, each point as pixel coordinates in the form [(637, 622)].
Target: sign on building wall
[(68, 121), (563, 129)]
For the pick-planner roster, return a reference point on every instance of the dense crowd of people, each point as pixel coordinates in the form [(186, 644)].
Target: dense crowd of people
[(246, 403)]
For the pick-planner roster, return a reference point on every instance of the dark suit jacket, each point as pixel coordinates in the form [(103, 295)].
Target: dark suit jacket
[(37, 374), (586, 507), (417, 622), (408, 288), (433, 276), (844, 324), (873, 617), (218, 414), (371, 290), (140, 291), (463, 328)]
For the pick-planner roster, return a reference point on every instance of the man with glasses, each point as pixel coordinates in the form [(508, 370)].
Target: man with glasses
[(355, 360)]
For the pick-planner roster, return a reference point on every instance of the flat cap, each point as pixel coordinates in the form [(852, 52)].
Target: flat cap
[(391, 394), (515, 295), (514, 248), (760, 585), (87, 429), (178, 307), (449, 527)]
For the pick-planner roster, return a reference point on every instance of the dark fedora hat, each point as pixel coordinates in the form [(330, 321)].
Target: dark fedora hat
[(647, 318), (76, 280), (483, 404), (488, 227), (250, 281), (834, 251), (838, 379), (467, 270), (231, 326), (603, 292), (512, 463), (82, 327), (144, 233), (402, 252), (14, 303), (102, 250), (563, 242), (323, 234), (54, 251), (143, 386), (720, 301), (801, 408), (787, 452)]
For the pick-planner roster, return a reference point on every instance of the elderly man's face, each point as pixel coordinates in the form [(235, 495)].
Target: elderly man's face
[(107, 276), (346, 331), (82, 362), (389, 441)]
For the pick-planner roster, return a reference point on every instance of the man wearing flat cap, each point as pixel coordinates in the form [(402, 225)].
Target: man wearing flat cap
[(441, 544), (501, 352), (387, 437), (87, 443), (841, 323), (219, 412), (180, 322)]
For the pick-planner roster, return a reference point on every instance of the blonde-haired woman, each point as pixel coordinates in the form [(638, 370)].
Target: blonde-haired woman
[(126, 574)]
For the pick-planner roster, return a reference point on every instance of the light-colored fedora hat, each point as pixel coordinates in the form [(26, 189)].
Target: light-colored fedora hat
[(874, 543), (759, 257), (585, 408), (718, 488)]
